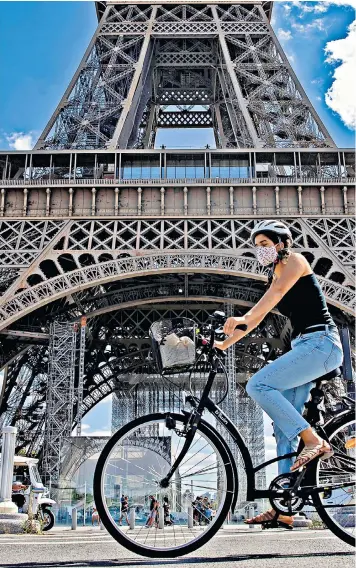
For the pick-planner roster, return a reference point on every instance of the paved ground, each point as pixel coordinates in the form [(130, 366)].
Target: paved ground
[(230, 548)]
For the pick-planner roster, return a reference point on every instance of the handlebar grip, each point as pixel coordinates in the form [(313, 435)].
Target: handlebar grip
[(242, 326)]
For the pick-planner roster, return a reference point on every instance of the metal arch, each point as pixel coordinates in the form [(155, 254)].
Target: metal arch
[(150, 264), (98, 302), (77, 449), (104, 375), (102, 380)]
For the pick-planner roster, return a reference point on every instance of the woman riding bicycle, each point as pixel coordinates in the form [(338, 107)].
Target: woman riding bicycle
[(283, 387)]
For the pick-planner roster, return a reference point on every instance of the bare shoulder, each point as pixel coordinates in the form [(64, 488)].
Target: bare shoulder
[(299, 260)]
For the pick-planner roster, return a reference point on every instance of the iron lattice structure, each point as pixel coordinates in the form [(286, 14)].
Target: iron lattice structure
[(153, 66), (60, 395), (90, 226)]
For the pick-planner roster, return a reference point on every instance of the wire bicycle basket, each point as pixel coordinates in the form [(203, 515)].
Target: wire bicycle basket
[(174, 345)]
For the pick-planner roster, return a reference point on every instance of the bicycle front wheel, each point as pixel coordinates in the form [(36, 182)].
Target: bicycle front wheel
[(199, 495), (336, 506)]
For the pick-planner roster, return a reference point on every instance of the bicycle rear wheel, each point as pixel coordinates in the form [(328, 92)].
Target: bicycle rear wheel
[(336, 507), (134, 461)]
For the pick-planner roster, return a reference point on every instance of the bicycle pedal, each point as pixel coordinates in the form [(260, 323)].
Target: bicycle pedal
[(284, 526), (269, 524), (275, 524)]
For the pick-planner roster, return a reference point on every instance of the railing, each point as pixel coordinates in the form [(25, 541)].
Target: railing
[(180, 181), (192, 212)]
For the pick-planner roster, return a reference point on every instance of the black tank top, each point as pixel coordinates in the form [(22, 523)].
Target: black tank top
[(305, 305)]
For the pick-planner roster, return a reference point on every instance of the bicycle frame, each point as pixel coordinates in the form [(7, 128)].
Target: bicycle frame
[(206, 403), (224, 420)]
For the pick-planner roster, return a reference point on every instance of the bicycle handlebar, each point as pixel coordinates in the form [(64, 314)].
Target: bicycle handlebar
[(220, 318)]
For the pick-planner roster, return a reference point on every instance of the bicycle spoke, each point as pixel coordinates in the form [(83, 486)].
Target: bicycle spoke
[(201, 471), (196, 492), (337, 475)]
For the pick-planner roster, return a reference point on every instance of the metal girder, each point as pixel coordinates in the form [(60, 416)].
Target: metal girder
[(60, 286), (60, 396), (258, 100), (117, 353), (184, 119)]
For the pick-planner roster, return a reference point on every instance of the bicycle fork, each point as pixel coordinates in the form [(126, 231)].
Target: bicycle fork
[(196, 417)]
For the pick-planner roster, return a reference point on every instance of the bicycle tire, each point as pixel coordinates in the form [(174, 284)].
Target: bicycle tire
[(213, 527), (333, 426)]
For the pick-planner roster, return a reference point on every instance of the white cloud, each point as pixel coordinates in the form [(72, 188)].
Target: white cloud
[(284, 35), (86, 431), (346, 3), (319, 7), (290, 57), (341, 97), (308, 6), (317, 24), (99, 433), (21, 140)]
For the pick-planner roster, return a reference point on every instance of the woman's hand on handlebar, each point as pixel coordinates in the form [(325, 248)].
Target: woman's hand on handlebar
[(236, 336), (231, 323)]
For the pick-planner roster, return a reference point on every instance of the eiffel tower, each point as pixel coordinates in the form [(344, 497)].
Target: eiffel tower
[(100, 226), (182, 65)]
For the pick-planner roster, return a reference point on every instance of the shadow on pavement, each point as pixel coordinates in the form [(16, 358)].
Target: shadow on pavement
[(170, 561)]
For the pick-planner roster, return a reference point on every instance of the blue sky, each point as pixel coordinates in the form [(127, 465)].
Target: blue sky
[(41, 44)]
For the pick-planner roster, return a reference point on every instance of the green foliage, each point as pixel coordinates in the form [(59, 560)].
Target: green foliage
[(77, 496), (317, 524), (89, 499), (32, 526)]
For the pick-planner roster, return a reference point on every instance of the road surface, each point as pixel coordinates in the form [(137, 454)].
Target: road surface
[(230, 548)]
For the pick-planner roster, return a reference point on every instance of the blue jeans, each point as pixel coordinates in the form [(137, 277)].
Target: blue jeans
[(283, 387)]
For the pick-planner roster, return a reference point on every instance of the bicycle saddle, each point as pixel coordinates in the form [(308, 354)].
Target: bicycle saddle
[(332, 375)]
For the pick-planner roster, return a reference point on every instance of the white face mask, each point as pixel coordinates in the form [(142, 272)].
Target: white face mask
[(266, 255)]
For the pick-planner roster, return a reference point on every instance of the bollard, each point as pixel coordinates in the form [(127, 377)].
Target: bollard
[(161, 518), (74, 519), (30, 506), (132, 518), (7, 469), (190, 518), (101, 526), (251, 512)]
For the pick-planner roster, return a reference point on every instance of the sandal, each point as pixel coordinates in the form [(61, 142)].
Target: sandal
[(268, 517), (308, 454)]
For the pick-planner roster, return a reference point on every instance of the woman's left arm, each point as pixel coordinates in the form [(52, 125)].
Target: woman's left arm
[(290, 274)]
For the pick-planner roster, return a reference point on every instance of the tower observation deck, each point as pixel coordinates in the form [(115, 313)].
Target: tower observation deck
[(97, 221)]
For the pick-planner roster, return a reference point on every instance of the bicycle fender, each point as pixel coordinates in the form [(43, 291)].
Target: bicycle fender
[(335, 419)]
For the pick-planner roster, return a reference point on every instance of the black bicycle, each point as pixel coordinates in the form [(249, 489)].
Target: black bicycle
[(186, 458)]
